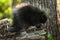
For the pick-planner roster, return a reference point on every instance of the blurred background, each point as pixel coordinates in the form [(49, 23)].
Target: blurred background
[(52, 25)]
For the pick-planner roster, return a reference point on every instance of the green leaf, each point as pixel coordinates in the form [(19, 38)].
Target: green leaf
[(49, 36)]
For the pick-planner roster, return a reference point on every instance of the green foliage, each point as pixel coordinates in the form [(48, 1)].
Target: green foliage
[(5, 8), (19, 1), (1, 15), (49, 36)]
